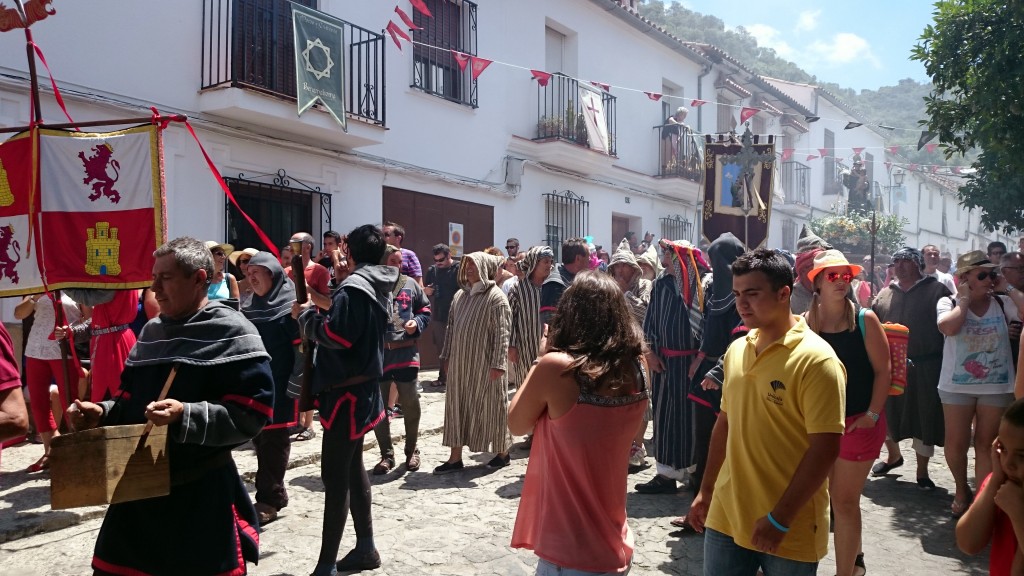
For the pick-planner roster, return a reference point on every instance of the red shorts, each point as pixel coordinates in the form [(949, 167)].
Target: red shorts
[(863, 443)]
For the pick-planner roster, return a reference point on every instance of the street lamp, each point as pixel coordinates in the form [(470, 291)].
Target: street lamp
[(895, 175)]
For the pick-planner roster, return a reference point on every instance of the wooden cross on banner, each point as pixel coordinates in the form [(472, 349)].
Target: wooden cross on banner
[(748, 158)]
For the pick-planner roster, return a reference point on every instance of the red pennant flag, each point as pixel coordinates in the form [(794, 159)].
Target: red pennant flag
[(478, 65), (602, 86), (956, 169), (653, 96), (894, 149), (934, 169), (421, 7), (747, 113), (397, 33), (811, 157), (931, 147), (823, 151), (461, 59), (787, 153), (405, 18), (541, 77), (858, 150), (698, 103), (912, 167), (888, 166)]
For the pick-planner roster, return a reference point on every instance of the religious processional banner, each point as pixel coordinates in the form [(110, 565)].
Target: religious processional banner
[(319, 61), (737, 188), (96, 214), (592, 108)]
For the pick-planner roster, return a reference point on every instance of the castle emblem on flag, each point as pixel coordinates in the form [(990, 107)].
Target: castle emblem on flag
[(10, 253), (6, 196), (96, 172), (102, 251)]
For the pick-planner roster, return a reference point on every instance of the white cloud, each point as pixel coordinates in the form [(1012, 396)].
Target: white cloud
[(807, 21), (769, 37), (844, 48)]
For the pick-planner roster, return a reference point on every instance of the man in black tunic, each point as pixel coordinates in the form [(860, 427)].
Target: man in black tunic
[(222, 396)]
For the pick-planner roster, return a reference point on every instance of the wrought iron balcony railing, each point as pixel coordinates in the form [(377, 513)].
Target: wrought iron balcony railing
[(796, 182), (560, 113), (679, 153), (248, 44)]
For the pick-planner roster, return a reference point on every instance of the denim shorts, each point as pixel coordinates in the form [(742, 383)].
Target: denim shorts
[(545, 568), (964, 399), (723, 557)]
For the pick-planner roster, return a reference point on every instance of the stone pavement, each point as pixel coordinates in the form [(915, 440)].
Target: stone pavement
[(462, 523)]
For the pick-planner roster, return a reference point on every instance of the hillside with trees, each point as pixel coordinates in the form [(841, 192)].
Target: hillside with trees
[(902, 105)]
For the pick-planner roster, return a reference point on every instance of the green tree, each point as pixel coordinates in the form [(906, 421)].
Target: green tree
[(972, 53)]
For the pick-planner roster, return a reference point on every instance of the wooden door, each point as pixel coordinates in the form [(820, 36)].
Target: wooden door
[(425, 218)]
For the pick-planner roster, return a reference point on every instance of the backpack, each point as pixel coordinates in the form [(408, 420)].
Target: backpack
[(898, 337)]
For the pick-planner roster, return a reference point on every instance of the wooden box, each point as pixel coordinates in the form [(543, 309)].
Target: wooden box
[(107, 465)]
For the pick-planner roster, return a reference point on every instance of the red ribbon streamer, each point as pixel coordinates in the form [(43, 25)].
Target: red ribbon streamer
[(405, 18), (272, 248), (53, 82)]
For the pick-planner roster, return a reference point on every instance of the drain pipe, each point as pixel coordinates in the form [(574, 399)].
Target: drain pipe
[(705, 70)]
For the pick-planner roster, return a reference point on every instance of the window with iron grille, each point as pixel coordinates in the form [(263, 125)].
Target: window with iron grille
[(566, 215), (279, 209), (677, 228), (434, 68)]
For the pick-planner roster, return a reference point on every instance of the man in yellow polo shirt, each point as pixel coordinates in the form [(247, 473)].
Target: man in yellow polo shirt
[(776, 437)]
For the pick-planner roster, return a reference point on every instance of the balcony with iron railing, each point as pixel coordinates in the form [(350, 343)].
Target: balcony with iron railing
[(796, 182), (248, 72), (679, 153), (562, 138)]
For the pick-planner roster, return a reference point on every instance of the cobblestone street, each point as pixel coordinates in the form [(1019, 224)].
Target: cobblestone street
[(461, 523)]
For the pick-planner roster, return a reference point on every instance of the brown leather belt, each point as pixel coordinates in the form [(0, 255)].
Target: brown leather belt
[(398, 344)]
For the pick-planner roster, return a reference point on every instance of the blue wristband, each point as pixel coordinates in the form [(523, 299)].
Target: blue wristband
[(775, 523)]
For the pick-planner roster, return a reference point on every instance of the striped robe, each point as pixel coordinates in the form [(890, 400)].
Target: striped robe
[(668, 332), (476, 407), (524, 300)]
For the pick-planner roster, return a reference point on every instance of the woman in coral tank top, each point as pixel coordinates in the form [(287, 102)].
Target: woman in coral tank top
[(583, 401)]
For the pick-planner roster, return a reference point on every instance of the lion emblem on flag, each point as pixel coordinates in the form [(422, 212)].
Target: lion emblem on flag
[(10, 253), (98, 169)]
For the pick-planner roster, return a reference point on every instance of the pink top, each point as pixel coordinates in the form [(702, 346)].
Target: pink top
[(573, 508), (1004, 541)]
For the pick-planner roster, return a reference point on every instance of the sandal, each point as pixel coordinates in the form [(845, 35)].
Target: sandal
[(40, 465), (961, 506), (859, 569), (386, 464), (437, 384), (266, 513), (305, 434)]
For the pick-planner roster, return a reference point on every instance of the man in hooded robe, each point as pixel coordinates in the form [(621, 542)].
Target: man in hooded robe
[(476, 348), (524, 302), (807, 247), (628, 274), (672, 327)]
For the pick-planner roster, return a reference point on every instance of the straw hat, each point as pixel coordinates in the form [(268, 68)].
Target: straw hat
[(227, 248), (234, 256), (971, 260), (828, 259)]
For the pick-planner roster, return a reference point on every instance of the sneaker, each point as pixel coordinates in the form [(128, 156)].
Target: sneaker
[(397, 411), (500, 461), (637, 458), (449, 467), (658, 485), (391, 413)]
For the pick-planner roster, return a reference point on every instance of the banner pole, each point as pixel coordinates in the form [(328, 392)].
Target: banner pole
[(112, 122), (37, 115)]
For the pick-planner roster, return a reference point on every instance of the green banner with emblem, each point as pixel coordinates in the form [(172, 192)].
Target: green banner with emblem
[(319, 61)]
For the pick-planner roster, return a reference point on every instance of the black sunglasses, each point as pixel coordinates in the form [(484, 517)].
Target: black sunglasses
[(987, 275), (243, 261), (439, 260)]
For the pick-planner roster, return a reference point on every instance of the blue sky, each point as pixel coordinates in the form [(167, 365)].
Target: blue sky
[(857, 45)]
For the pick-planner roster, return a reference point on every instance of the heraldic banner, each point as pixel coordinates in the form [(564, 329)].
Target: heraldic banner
[(319, 61), (738, 182), (96, 218)]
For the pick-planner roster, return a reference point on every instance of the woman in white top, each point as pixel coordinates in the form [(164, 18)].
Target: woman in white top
[(977, 377), (43, 365)]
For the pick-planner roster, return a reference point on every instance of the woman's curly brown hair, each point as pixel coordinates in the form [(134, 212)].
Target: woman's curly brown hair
[(593, 324)]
